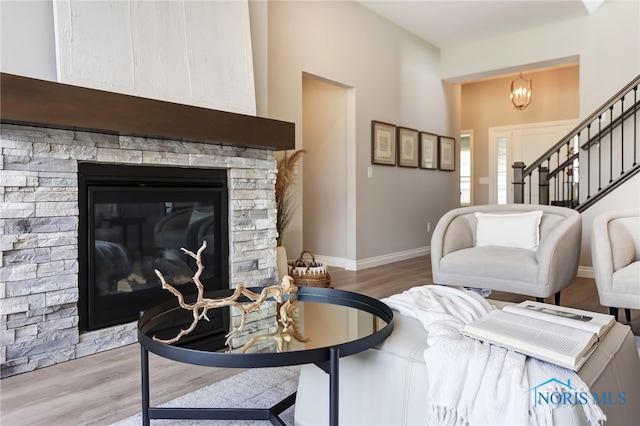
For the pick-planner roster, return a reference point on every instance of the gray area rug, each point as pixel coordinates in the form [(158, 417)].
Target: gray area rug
[(257, 388)]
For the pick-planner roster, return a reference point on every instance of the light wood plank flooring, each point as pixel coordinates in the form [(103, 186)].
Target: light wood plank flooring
[(103, 388)]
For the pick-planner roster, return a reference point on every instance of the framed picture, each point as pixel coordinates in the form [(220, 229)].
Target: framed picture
[(383, 143), (407, 147), (447, 148), (428, 151)]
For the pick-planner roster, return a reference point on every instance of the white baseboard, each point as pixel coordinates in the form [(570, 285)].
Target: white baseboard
[(338, 262), (585, 272), (357, 265)]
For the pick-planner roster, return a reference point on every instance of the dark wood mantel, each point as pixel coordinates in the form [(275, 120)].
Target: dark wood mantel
[(43, 103)]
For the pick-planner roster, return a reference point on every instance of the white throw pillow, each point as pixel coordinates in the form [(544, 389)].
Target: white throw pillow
[(518, 230)]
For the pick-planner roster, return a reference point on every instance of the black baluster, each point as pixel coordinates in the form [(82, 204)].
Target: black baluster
[(551, 186), (588, 161), (577, 184), (568, 173), (559, 190), (635, 125), (611, 144), (599, 153), (563, 184), (622, 135)]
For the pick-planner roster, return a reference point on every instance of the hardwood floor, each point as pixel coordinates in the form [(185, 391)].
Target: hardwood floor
[(103, 388)]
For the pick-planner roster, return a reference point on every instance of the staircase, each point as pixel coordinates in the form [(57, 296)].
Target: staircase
[(597, 156)]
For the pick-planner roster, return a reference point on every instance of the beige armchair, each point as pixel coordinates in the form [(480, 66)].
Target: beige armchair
[(532, 249), (615, 252)]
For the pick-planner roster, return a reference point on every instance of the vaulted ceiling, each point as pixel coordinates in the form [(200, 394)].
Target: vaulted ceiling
[(445, 23)]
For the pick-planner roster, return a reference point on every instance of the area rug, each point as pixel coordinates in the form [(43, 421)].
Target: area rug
[(256, 388)]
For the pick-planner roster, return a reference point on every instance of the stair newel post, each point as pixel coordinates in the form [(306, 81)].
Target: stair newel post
[(518, 182), (543, 185), (567, 176)]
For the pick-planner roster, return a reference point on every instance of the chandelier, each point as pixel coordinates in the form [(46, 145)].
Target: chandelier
[(520, 92)]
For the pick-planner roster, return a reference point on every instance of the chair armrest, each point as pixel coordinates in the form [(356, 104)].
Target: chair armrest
[(453, 232), (558, 253), (601, 253)]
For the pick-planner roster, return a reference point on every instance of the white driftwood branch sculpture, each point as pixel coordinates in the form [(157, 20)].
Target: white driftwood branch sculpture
[(202, 305)]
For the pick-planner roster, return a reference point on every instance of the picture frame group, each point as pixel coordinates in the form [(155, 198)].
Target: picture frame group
[(401, 146)]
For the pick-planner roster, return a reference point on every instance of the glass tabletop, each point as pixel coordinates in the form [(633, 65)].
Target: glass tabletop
[(298, 331)]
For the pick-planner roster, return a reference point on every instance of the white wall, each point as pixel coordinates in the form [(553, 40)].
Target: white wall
[(485, 104), (27, 35), (259, 19), (140, 48), (607, 45), (196, 53), (396, 79), (628, 197)]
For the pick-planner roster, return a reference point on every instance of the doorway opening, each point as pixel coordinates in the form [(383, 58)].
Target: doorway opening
[(508, 144), (328, 134)]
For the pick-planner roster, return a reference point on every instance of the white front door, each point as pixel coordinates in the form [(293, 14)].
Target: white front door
[(525, 143)]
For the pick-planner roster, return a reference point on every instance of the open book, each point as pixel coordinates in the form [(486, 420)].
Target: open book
[(577, 318), (543, 335)]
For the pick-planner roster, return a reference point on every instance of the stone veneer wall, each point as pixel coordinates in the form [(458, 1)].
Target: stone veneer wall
[(39, 232)]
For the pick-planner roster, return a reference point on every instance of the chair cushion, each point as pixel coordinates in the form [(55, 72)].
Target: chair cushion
[(625, 281), (518, 265)]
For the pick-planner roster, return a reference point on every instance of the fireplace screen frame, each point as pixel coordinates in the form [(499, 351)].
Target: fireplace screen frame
[(110, 177)]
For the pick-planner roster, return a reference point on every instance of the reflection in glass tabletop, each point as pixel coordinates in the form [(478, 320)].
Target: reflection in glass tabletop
[(326, 324), (320, 318)]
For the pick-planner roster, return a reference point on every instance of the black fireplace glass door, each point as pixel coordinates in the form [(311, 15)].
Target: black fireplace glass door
[(136, 230)]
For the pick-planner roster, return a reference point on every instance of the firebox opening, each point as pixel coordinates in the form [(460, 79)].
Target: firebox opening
[(136, 219)]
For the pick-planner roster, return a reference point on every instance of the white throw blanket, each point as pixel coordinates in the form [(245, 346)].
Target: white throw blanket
[(473, 383)]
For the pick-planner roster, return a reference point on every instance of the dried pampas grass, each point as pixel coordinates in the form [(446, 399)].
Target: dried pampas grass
[(287, 172)]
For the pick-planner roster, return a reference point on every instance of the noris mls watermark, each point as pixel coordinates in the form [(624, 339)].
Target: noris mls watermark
[(547, 393)]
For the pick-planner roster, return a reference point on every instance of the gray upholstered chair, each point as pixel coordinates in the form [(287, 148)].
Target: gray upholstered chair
[(615, 252), (515, 253)]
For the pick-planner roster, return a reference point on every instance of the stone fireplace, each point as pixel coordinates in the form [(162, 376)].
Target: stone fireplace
[(40, 242)]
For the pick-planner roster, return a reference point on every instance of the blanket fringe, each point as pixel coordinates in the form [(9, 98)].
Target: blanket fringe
[(472, 381), (444, 416)]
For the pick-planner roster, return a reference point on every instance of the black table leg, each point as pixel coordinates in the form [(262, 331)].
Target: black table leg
[(334, 397), (144, 366)]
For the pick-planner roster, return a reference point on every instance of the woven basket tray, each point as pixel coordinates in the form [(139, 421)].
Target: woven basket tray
[(310, 273)]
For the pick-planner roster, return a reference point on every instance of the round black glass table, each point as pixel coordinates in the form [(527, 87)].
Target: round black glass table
[(331, 324)]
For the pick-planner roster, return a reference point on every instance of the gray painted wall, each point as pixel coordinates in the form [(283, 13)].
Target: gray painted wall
[(395, 78)]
